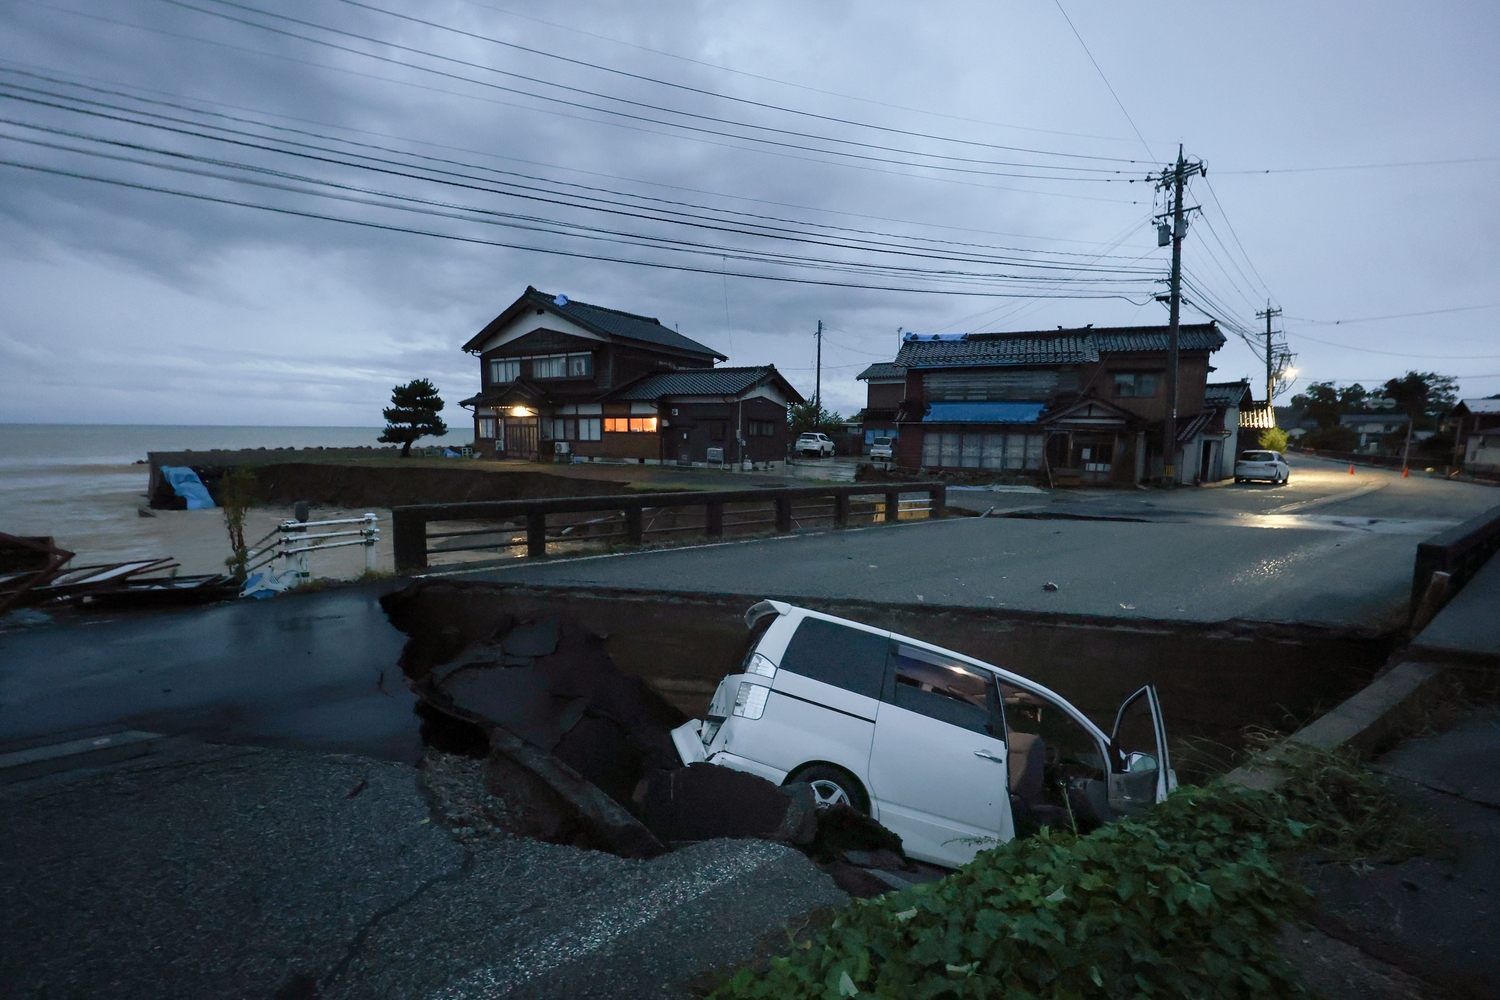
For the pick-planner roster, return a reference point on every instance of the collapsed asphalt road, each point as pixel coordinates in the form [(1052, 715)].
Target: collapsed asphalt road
[(576, 752)]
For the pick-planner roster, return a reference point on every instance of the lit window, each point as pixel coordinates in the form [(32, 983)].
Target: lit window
[(630, 425), (505, 370)]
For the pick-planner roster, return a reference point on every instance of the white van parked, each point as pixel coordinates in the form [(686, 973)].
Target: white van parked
[(950, 753)]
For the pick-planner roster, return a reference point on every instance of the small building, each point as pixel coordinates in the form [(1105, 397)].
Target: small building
[(567, 380), (1235, 410), (1078, 406), (1477, 435), (885, 386), (1382, 433)]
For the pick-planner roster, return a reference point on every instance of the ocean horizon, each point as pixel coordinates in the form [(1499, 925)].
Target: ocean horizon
[(37, 446)]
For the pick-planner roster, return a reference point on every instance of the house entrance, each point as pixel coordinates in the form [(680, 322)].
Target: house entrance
[(520, 438), (1093, 456)]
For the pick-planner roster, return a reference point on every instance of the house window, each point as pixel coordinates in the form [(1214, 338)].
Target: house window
[(630, 425), (981, 451), (761, 428), (588, 428), (550, 367), (565, 429), (580, 364), (486, 427), (505, 370), (1135, 385)]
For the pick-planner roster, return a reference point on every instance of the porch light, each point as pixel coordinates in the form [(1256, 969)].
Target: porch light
[(521, 411)]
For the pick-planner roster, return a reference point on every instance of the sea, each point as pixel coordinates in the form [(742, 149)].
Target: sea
[(80, 482)]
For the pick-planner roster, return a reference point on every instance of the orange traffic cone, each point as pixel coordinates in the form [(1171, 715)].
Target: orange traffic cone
[(1351, 468), (1405, 473)]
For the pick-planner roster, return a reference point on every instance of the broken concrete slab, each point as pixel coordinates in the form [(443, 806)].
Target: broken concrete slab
[(705, 801)]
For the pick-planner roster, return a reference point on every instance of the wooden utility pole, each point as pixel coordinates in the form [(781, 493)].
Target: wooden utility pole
[(818, 389), (1270, 360), (1175, 179)]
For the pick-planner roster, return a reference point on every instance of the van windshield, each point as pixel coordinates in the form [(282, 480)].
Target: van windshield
[(882, 441)]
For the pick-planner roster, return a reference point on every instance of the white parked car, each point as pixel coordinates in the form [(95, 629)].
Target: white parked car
[(814, 443), (950, 753), (1268, 465), (883, 448)]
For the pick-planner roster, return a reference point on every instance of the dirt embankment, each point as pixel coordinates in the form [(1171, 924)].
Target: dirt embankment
[(361, 486)]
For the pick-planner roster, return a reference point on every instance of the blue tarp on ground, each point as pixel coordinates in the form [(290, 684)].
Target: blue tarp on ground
[(186, 484), (983, 413)]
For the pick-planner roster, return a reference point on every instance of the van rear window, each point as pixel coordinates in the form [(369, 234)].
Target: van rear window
[(836, 654)]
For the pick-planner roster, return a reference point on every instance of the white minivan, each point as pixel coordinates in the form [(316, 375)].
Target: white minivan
[(950, 753)]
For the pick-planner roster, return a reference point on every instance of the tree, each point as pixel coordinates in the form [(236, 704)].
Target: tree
[(1334, 438), (1420, 395), (413, 413), (1322, 403), (237, 493), (1273, 439), (809, 416)]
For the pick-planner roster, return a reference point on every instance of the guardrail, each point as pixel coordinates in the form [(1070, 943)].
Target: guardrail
[(294, 541), (626, 517), (1459, 552)]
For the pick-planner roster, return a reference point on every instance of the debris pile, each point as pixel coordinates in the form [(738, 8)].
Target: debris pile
[(34, 571), (534, 732)]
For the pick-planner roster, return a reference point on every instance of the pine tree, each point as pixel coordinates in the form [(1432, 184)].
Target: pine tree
[(413, 413)]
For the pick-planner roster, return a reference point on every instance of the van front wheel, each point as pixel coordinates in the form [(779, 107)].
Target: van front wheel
[(833, 786)]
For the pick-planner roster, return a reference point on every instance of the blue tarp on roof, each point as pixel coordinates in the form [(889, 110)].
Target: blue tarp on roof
[(983, 413)]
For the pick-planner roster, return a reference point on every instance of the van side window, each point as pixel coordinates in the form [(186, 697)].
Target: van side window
[(941, 687), (836, 654)]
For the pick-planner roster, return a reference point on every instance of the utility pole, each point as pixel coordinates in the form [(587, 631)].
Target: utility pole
[(818, 390), (1175, 179), (1270, 357)]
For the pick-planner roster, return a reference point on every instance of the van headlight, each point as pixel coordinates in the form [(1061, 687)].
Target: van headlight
[(750, 702)]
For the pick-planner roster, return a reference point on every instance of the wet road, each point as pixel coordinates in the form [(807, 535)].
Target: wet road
[(1327, 548), (306, 671)]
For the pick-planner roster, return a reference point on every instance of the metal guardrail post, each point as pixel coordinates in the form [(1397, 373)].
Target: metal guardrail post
[(634, 529), (893, 505), (840, 509), (536, 534), (409, 538), (368, 532), (783, 513), (715, 518)]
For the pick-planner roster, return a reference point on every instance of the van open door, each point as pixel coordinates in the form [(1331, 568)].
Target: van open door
[(1141, 772)]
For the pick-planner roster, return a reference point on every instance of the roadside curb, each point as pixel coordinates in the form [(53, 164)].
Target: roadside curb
[(1372, 721), (24, 764)]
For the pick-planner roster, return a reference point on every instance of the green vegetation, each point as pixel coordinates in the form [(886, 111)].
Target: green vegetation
[(1186, 900), (237, 495), (413, 414), (809, 416), (1273, 438)]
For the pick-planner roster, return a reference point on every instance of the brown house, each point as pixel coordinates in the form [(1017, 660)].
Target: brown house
[(568, 381), (1080, 405), (885, 387)]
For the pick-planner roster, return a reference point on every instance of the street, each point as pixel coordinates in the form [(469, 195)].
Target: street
[(1326, 548)]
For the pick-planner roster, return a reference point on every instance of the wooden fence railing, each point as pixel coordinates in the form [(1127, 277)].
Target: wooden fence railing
[(626, 516)]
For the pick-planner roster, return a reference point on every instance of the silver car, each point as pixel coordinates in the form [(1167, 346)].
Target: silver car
[(1268, 465), (950, 753)]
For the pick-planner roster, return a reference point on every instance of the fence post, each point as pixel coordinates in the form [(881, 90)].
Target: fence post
[(892, 506), (840, 510), (369, 532), (409, 538), (783, 513), (715, 518), (536, 534), (634, 531), (939, 501)]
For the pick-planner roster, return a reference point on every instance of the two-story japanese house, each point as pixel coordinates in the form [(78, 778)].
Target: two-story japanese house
[(561, 378), (1082, 405)]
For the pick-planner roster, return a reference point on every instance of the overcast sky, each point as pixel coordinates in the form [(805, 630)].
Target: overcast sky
[(874, 147)]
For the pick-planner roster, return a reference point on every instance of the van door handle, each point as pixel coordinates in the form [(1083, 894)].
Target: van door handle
[(989, 756)]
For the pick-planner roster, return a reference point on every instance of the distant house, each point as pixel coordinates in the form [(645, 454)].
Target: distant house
[(885, 386), (1477, 435), (1082, 405), (566, 380), (1379, 433), (1235, 410)]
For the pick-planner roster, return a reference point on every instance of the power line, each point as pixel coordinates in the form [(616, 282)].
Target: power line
[(1374, 319), (1366, 166), (1147, 145)]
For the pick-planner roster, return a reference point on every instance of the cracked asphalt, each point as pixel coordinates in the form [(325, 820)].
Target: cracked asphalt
[(237, 872)]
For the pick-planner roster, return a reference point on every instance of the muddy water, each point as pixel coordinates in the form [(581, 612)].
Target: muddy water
[(1217, 682)]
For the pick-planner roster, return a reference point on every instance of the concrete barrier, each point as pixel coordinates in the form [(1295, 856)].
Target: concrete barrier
[(1460, 552)]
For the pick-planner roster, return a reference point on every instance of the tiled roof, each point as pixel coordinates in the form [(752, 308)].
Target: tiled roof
[(1482, 405), (606, 322), (1225, 393), (881, 369), (705, 382), (1052, 347)]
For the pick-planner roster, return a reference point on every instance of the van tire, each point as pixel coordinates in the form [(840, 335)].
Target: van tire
[(832, 784)]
